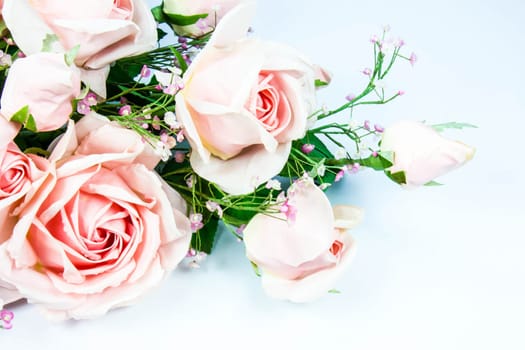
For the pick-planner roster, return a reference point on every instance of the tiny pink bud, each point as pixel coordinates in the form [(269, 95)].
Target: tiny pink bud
[(374, 39), (350, 97), (125, 110), (339, 175), (366, 125), (20, 54), (375, 154), (145, 72), (367, 71), (400, 93), (83, 108), (307, 148), (378, 128), (413, 59)]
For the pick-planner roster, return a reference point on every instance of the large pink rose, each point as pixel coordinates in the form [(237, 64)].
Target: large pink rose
[(99, 234), (243, 103), (106, 30), (46, 84), (215, 9), (20, 175), (301, 258), (422, 153)]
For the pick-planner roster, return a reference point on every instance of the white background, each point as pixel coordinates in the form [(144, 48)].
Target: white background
[(437, 268)]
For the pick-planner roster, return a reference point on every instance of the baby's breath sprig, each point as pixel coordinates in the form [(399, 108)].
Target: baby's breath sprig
[(355, 144)]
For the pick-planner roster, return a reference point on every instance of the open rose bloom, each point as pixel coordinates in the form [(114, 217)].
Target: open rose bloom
[(301, 258), (243, 104), (100, 231), (106, 30)]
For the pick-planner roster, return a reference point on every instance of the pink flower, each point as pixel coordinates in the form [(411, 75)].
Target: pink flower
[(215, 9), (300, 261), (422, 153), (100, 232), (106, 30), (241, 133), (46, 84)]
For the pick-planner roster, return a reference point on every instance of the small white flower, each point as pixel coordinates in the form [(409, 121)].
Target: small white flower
[(171, 120), (340, 153), (274, 185)]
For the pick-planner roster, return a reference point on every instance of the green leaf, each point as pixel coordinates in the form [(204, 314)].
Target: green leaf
[(47, 43), (71, 55), (160, 34), (452, 125), (204, 239), (182, 63), (382, 161), (25, 118), (399, 177), (180, 20), (334, 291), (320, 149), (433, 183), (320, 83)]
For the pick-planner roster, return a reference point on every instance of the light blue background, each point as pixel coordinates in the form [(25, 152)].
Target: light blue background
[(437, 268)]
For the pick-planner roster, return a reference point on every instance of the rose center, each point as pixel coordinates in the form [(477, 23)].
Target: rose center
[(13, 179), (271, 107)]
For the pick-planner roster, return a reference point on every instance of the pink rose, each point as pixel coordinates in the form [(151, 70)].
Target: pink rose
[(46, 84), (98, 234), (106, 30), (243, 104), (422, 153), (20, 174), (301, 259), (215, 9)]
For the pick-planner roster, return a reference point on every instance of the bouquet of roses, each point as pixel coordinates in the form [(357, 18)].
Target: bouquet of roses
[(120, 157)]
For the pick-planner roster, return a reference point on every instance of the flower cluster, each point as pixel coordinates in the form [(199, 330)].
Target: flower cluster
[(119, 157)]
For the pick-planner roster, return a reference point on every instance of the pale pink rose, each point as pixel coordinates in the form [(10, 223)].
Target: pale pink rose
[(93, 132), (215, 9), (422, 153), (243, 104), (20, 174), (301, 259), (94, 237), (46, 84), (106, 30)]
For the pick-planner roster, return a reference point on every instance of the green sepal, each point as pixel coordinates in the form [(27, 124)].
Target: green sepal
[(70, 56), (25, 118), (320, 83), (158, 14), (399, 177), (382, 161), (47, 43), (255, 269), (452, 125), (433, 184), (37, 150), (182, 63), (181, 20)]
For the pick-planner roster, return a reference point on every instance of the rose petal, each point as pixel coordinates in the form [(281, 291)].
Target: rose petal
[(242, 174)]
